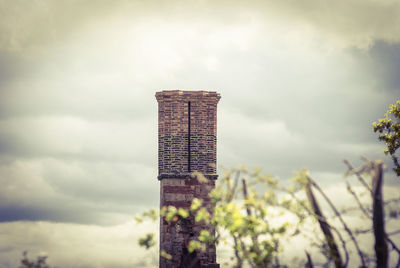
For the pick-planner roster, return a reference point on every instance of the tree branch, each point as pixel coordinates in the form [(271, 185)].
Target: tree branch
[(325, 227), (349, 232), (381, 250)]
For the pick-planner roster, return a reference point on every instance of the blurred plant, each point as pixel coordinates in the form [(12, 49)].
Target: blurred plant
[(147, 241), (39, 263), (242, 215), (389, 132), (250, 208)]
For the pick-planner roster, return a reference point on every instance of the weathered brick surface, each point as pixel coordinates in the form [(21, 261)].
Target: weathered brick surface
[(184, 114), (187, 143)]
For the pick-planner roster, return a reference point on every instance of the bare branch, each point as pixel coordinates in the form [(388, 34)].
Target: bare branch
[(381, 250), (325, 227), (309, 263), (349, 232), (360, 205), (358, 173)]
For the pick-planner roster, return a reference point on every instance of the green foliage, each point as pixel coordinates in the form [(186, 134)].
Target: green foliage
[(165, 255), (171, 214), (389, 132), (202, 215), (183, 213), (151, 214), (241, 216), (147, 241), (249, 209), (196, 245), (248, 212), (196, 204), (206, 237)]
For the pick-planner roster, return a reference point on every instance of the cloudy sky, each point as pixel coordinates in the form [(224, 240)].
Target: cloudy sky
[(301, 82)]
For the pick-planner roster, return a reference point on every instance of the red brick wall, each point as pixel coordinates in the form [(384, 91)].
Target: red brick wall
[(187, 143)]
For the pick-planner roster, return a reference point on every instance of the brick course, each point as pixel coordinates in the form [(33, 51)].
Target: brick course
[(186, 143)]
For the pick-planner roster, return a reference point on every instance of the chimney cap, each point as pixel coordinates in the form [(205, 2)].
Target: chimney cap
[(187, 95)]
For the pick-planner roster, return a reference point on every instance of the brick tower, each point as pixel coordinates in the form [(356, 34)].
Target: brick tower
[(187, 139)]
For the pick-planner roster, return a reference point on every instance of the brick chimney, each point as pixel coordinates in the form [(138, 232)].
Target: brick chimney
[(187, 139)]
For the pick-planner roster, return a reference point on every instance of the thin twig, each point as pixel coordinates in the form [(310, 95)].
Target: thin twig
[(246, 253), (394, 246), (358, 174), (348, 186), (239, 259), (363, 231), (253, 237), (393, 200), (394, 232), (350, 209), (310, 212)]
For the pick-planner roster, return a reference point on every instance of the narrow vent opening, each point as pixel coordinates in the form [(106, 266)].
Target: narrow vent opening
[(189, 170)]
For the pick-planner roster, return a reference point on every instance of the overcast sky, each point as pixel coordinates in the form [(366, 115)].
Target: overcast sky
[(301, 82)]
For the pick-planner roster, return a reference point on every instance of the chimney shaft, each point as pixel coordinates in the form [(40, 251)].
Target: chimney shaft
[(187, 139)]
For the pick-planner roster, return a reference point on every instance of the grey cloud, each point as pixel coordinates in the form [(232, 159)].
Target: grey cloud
[(355, 22), (31, 24), (93, 246), (45, 98), (106, 182), (69, 94), (40, 213), (326, 103), (9, 67), (72, 213), (383, 60), (295, 98), (300, 81), (75, 138), (71, 191)]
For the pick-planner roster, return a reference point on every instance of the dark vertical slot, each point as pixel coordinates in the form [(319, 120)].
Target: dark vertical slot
[(189, 137)]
